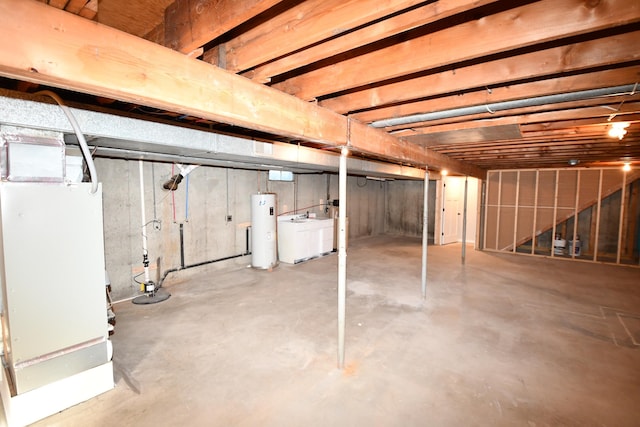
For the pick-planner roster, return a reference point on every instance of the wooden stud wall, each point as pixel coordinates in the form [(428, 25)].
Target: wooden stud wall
[(594, 213)]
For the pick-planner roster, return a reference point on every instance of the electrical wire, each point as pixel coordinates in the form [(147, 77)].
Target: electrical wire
[(84, 147), (135, 278)]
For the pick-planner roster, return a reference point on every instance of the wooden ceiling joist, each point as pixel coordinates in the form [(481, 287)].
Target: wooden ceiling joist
[(91, 58), (189, 25), (543, 87), (548, 62), (598, 107), (305, 24), (394, 25), (528, 25)]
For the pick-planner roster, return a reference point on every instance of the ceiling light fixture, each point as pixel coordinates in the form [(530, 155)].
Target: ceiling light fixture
[(618, 129), (573, 162), (626, 167), (444, 172)]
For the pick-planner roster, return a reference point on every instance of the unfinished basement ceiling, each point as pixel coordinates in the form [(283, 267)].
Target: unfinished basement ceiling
[(453, 62)]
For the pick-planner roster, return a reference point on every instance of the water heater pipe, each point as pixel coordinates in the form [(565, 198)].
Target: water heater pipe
[(145, 254)]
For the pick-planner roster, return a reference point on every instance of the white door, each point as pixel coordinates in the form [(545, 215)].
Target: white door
[(450, 212)]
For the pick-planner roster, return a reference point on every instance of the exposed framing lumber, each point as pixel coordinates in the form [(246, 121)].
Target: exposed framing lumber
[(548, 86), (99, 60), (369, 34), (303, 25), (537, 114), (569, 58), (75, 6), (190, 25), (527, 25)]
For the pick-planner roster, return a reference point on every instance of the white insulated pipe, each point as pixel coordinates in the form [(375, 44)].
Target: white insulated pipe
[(507, 105), (145, 255), (84, 147), (342, 254), (425, 233)]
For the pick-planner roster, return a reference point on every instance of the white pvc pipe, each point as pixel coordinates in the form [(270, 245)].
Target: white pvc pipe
[(145, 256), (342, 254), (425, 233)]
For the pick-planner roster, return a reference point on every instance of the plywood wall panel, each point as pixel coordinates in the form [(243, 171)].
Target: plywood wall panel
[(509, 188), (505, 232), (527, 192), (492, 225), (567, 187), (546, 188), (493, 190)]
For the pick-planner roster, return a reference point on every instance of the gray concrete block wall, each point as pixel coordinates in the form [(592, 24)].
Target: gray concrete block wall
[(405, 203), (214, 194)]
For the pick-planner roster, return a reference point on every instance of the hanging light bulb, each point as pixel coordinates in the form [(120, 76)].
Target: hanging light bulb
[(618, 129), (626, 167)]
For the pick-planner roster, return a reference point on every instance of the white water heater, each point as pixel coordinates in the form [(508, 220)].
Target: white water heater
[(264, 241)]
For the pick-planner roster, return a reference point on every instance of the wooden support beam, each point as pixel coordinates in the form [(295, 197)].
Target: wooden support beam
[(92, 58), (570, 58), (527, 25), (190, 25)]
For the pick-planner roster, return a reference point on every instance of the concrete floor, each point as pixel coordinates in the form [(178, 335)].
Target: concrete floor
[(503, 341)]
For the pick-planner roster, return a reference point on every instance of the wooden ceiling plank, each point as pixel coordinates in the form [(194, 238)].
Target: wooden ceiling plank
[(379, 30), (527, 25), (551, 86), (190, 25), (305, 24), (134, 17), (127, 68), (569, 58)]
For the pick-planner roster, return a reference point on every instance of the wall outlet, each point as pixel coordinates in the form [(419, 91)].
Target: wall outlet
[(229, 218)]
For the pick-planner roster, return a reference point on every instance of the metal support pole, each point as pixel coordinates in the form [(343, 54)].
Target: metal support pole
[(621, 223), (464, 221), (342, 254), (425, 233)]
